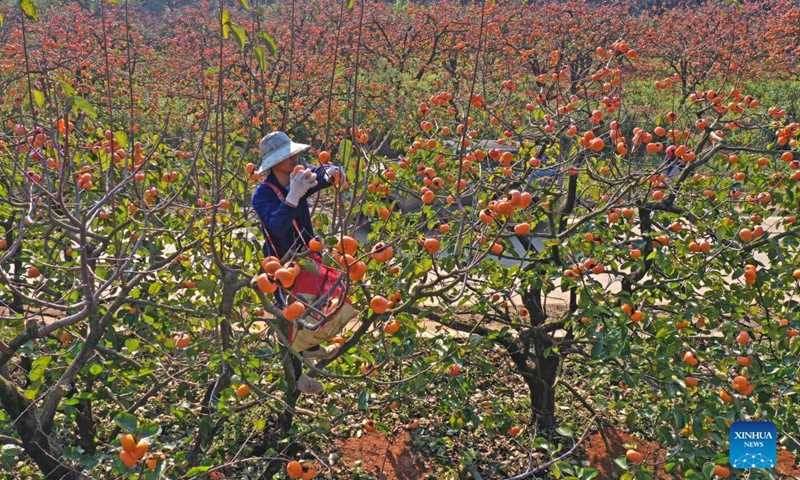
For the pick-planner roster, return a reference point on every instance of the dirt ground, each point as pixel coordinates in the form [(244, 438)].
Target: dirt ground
[(393, 458), (386, 457)]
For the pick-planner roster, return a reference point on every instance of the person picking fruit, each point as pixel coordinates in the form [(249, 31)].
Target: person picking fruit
[(281, 202)]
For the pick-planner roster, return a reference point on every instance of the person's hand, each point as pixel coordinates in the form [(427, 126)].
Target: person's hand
[(300, 183), (331, 171)]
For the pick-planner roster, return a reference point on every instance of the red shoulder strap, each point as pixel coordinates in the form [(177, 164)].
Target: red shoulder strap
[(282, 198)]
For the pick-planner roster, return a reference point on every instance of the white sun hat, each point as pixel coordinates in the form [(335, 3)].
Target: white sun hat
[(275, 148)]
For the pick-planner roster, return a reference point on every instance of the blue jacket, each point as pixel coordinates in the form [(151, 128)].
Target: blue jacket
[(277, 218)]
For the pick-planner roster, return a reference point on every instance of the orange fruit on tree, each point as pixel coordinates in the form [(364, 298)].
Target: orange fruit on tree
[(721, 471), (689, 358), (690, 381), (525, 228), (33, 272), (324, 156), (140, 450), (745, 234), (294, 469), (431, 245), (243, 390), (127, 459), (382, 252), (294, 311), (182, 340), (740, 383), (315, 245), (265, 284), (357, 271), (636, 253), (597, 144), (637, 316), (151, 463), (347, 245), (744, 360), (627, 308), (271, 265), (285, 277), (392, 327), (725, 396), (634, 457), (743, 338), (128, 442), (379, 304), (658, 195)]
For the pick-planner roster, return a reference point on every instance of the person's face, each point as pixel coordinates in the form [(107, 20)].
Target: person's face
[(288, 165)]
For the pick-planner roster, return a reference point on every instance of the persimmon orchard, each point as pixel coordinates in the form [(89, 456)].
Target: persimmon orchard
[(556, 218)]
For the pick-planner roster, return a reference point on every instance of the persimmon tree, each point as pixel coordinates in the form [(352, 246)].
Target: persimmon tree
[(134, 294)]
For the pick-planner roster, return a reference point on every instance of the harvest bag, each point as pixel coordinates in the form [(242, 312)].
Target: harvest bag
[(310, 284)]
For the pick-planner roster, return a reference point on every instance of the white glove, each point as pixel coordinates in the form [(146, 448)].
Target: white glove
[(331, 171), (298, 186)]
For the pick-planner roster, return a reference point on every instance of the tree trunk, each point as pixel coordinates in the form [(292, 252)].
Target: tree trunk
[(542, 377), (543, 393), (34, 441)]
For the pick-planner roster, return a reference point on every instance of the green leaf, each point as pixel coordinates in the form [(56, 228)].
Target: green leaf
[(670, 467), (81, 104), (127, 422), (155, 287), (132, 344), (149, 430), (565, 431), (197, 471), (38, 368), (68, 89), (622, 462), (115, 2), (262, 63), (708, 468), (351, 4), (1, 20), (268, 42), (122, 138), (691, 474), (345, 149), (38, 97), (28, 8), (239, 35), (96, 369), (225, 21), (245, 4), (363, 398)]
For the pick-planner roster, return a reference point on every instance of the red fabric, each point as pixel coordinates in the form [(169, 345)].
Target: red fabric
[(309, 283)]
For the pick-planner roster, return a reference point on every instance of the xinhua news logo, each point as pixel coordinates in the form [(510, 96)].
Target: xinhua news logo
[(753, 445)]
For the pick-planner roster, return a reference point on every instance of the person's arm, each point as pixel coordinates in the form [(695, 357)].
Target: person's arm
[(276, 215)]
